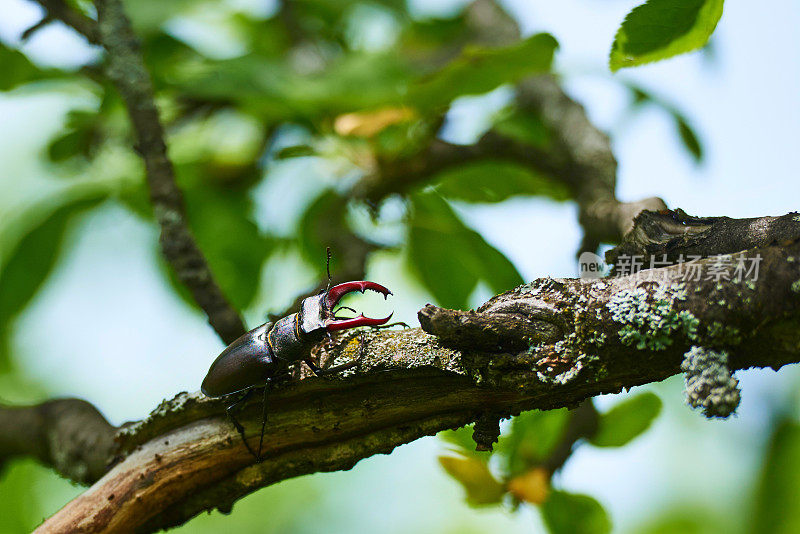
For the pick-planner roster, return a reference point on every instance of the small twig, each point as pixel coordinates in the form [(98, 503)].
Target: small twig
[(125, 68), (47, 19), (59, 10)]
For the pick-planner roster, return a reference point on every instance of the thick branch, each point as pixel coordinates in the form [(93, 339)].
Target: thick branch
[(673, 236), (69, 435), (186, 457), (125, 68)]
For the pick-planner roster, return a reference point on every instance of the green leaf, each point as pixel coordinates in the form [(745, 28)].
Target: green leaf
[(272, 89), (323, 225), (221, 220), (479, 70), (777, 501), (32, 259), (689, 137), (692, 519), (660, 29), (148, 16), (626, 420), (18, 70), (568, 513), (461, 441), (449, 258), (525, 127), (532, 438), (481, 487), (495, 181)]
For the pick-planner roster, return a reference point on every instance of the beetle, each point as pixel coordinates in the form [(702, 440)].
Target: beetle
[(265, 353)]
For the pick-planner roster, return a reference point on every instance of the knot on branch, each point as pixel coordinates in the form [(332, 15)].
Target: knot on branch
[(486, 431), (493, 332), (710, 385), (672, 236)]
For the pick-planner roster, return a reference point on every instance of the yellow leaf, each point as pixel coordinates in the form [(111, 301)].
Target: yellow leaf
[(370, 123), (474, 475), (532, 486)]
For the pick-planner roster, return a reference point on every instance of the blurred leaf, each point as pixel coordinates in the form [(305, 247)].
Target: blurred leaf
[(495, 181), (481, 487), (31, 492), (525, 127), (369, 123), (271, 89), (660, 29), (164, 55), (221, 220), (148, 16), (324, 225), (450, 258), (77, 138), (26, 267), (462, 442), (532, 438), (689, 137), (68, 145), (685, 521), (627, 420), (776, 499), (532, 486), (296, 151), (568, 513), (479, 70), (16, 69)]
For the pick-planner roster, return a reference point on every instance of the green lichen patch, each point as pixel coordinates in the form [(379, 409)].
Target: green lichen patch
[(795, 287), (650, 322), (721, 334)]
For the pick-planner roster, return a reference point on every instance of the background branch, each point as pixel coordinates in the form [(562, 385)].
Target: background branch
[(125, 68), (70, 435), (59, 10)]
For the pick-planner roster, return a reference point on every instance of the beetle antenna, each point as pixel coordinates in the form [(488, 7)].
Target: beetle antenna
[(328, 267)]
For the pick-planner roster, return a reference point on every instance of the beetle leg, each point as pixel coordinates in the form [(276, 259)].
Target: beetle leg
[(319, 371), (235, 407), (263, 420)]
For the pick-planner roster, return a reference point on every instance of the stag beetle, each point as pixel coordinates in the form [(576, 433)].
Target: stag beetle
[(264, 353)]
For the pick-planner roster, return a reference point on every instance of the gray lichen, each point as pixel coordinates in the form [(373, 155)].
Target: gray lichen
[(650, 322), (710, 385)]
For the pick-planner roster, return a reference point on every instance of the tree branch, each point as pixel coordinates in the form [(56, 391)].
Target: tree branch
[(125, 68), (606, 335), (69, 435), (59, 10), (674, 235)]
